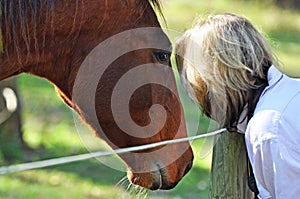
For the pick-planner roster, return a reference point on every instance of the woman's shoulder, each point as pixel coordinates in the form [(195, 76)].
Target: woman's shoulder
[(277, 120), (265, 120), (279, 94), (263, 126)]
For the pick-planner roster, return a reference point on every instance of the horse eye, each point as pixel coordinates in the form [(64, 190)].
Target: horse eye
[(163, 57)]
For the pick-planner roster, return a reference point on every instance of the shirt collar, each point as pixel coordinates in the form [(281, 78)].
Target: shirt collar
[(274, 76)]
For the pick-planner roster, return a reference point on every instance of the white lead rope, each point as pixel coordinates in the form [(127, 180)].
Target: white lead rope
[(63, 160)]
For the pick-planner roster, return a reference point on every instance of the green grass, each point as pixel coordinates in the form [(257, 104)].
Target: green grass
[(59, 183), (49, 127)]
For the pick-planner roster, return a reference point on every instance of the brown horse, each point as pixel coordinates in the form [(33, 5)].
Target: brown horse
[(55, 40)]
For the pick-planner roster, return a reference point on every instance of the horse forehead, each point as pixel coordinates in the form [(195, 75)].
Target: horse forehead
[(153, 36)]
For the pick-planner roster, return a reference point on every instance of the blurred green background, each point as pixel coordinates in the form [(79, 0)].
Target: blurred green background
[(50, 132)]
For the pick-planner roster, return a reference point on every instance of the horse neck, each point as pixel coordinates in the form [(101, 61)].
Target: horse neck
[(60, 44)]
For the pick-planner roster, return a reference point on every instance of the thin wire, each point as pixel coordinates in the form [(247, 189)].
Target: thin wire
[(63, 160)]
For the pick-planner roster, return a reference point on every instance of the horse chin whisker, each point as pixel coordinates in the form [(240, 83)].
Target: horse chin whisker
[(143, 193), (129, 187), (133, 190), (138, 192), (123, 182), (132, 186)]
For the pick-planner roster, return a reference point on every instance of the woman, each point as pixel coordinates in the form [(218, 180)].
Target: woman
[(228, 66)]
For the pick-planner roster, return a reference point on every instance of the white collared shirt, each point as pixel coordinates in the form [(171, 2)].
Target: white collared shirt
[(273, 138)]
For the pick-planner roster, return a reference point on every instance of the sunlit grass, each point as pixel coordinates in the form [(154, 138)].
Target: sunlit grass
[(54, 184)]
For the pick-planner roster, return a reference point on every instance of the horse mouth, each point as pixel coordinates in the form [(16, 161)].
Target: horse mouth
[(159, 178), (154, 180), (161, 181), (163, 184)]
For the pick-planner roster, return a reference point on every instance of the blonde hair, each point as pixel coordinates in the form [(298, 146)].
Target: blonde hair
[(224, 59)]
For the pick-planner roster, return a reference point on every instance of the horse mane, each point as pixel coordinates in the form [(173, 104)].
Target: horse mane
[(14, 15)]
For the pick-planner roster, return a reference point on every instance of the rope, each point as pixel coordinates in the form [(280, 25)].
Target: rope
[(63, 160)]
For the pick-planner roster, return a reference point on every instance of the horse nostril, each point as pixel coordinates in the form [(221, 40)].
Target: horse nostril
[(188, 167), (155, 186)]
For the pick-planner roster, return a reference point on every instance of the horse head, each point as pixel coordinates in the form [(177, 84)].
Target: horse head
[(136, 100), (110, 61)]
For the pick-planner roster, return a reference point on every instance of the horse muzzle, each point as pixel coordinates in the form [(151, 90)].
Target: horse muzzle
[(163, 176)]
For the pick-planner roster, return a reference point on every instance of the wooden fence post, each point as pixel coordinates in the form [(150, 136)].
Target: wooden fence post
[(229, 168)]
